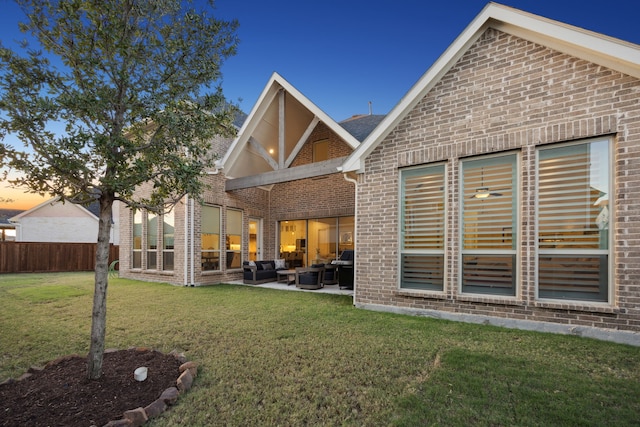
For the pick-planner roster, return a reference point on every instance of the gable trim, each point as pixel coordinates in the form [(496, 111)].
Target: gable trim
[(607, 51), (275, 86)]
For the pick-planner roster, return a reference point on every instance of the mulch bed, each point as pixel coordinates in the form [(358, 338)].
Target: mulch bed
[(61, 395)]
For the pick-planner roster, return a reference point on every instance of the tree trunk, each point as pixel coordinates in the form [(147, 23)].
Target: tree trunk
[(99, 314)]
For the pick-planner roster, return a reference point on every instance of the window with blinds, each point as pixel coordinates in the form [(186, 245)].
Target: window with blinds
[(210, 238), (152, 241), (422, 228), (137, 239), (573, 221), (168, 228), (489, 225)]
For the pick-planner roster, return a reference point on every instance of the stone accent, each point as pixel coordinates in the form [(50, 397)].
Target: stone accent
[(170, 395), (191, 366), (156, 408), (185, 380), (139, 416)]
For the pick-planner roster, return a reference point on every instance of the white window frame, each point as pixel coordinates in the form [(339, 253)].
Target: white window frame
[(576, 252), (208, 256), (140, 250), (515, 225), (237, 252), (427, 287), (164, 248)]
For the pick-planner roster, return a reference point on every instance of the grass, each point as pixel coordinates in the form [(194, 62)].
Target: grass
[(271, 357)]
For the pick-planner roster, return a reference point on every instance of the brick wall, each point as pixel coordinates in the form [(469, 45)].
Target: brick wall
[(326, 196), (505, 93)]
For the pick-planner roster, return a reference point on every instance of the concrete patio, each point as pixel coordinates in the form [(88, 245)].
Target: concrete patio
[(327, 289)]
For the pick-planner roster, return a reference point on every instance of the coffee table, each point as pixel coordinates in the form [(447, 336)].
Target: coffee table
[(286, 276)]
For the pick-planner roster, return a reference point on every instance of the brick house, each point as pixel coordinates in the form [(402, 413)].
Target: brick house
[(503, 188), (512, 179), (276, 193)]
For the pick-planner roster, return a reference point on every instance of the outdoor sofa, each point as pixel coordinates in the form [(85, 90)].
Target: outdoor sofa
[(256, 272)]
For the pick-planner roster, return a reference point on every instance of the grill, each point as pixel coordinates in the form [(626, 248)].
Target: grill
[(345, 269)]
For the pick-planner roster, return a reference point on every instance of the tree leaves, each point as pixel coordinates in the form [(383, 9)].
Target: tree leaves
[(111, 99)]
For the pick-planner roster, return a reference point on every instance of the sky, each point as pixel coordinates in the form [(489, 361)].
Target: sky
[(345, 54)]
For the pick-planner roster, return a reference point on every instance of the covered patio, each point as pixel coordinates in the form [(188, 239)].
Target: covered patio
[(326, 289)]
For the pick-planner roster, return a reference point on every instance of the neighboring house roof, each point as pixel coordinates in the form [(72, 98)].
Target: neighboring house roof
[(361, 126), (597, 48), (275, 130), (33, 211), (6, 214), (239, 118)]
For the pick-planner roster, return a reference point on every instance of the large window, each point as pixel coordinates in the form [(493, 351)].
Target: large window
[(573, 221), (315, 241), (489, 225), (136, 255), (152, 241), (210, 238), (422, 228), (234, 238), (168, 226)]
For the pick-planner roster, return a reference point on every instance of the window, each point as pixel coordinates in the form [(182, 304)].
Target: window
[(137, 240), (167, 240), (152, 241), (573, 221), (489, 226), (210, 238), (422, 228), (320, 151), (346, 232), (234, 238)]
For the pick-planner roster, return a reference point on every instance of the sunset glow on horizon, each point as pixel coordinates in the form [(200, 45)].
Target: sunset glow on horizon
[(20, 199)]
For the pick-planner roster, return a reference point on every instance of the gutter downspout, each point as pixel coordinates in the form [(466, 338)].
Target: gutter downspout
[(355, 225), (185, 265), (192, 232)]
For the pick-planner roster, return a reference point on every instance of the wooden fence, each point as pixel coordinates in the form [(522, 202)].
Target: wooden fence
[(35, 257)]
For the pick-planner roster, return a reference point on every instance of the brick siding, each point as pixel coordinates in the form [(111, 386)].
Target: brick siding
[(325, 196), (505, 93)]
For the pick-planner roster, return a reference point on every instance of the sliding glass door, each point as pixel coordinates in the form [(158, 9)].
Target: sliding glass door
[(315, 241)]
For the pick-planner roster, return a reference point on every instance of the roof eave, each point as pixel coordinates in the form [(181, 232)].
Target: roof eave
[(616, 54), (275, 84)]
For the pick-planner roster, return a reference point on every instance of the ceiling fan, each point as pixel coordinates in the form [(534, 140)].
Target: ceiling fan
[(484, 193)]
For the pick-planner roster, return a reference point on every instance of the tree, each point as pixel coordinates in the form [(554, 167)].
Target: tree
[(135, 87)]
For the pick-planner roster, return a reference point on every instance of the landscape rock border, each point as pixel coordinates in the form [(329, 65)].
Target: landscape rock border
[(139, 416)]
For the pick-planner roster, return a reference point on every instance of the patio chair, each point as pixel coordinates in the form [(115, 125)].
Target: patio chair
[(330, 275), (309, 277)]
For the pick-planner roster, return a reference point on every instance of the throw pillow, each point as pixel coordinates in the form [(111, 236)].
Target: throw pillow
[(267, 266), (252, 263), (280, 265)]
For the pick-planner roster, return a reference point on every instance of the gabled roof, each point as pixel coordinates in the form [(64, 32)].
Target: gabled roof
[(361, 126), (52, 202), (275, 130), (600, 49), (6, 214)]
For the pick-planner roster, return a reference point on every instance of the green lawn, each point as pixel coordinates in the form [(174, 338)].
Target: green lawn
[(271, 357)]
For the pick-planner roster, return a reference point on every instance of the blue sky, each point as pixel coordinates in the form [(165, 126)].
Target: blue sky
[(343, 54)]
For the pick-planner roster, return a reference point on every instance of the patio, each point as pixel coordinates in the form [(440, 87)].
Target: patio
[(327, 289)]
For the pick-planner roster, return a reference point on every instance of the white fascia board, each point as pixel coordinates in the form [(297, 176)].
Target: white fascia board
[(253, 119), (608, 51), (33, 209), (355, 162), (601, 49), (275, 84), (332, 124)]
